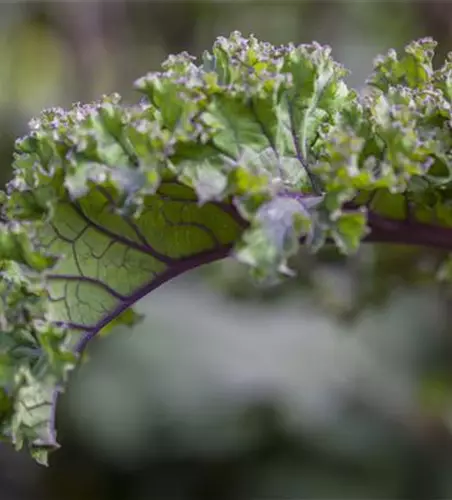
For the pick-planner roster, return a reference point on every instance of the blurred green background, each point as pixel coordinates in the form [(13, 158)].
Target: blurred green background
[(336, 384)]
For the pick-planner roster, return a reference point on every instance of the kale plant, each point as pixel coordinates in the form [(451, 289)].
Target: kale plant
[(249, 153)]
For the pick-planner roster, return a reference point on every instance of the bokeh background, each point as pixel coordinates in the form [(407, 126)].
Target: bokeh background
[(336, 384)]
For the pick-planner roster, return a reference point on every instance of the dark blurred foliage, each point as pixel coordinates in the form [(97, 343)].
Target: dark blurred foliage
[(335, 384)]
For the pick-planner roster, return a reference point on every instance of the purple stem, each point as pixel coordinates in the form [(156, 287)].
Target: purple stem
[(381, 230), (171, 272)]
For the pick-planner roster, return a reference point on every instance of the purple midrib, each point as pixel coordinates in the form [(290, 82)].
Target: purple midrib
[(382, 230)]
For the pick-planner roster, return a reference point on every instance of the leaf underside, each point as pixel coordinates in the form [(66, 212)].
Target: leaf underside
[(247, 153)]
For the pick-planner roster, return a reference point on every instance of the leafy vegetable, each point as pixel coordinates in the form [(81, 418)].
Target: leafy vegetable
[(249, 153)]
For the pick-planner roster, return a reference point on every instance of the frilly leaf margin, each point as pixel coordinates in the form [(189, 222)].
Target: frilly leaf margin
[(272, 134)]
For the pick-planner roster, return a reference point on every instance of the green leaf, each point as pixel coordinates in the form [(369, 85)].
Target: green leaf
[(249, 153), (274, 237), (34, 360), (414, 69), (349, 230), (129, 318)]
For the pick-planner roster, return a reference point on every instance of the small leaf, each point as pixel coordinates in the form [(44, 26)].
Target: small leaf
[(349, 230)]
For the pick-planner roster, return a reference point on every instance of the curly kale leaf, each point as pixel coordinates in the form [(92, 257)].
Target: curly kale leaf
[(35, 355), (249, 153)]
